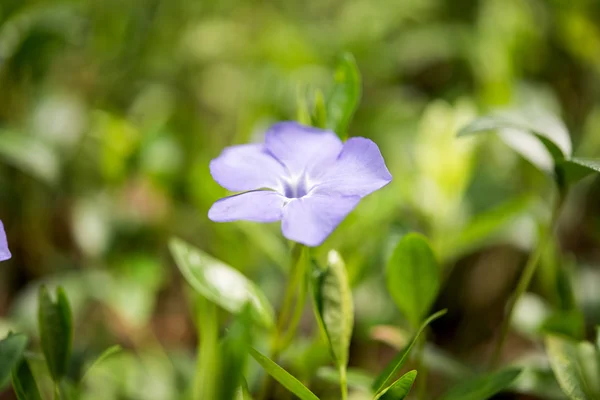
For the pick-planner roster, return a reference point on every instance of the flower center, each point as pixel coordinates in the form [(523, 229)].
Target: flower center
[(296, 188)]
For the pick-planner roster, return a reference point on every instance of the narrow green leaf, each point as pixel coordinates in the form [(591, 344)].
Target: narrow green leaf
[(206, 379), (234, 354), (398, 362), (564, 360), (103, 356), (282, 376), (56, 331), (11, 351), (243, 391), (576, 168), (345, 95), (357, 378), (399, 389), (482, 387), (546, 127), (319, 118), (413, 277), (220, 283), (333, 304), (24, 383)]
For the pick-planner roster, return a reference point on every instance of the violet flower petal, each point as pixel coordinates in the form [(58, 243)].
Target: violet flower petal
[(247, 167), (311, 219), (258, 206), (4, 252), (302, 149), (359, 170)]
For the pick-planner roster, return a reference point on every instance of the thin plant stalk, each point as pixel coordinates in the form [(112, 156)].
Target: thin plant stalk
[(344, 382), (422, 368), (526, 276)]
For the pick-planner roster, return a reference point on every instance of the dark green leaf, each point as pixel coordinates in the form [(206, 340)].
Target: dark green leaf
[(549, 130), (570, 323), (24, 383), (399, 389), (398, 362), (576, 168), (482, 387), (566, 361), (413, 277), (56, 331), (344, 97), (333, 304), (282, 376), (11, 350), (220, 283)]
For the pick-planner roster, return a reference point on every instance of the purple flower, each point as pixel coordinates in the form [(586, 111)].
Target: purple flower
[(4, 252), (312, 180)]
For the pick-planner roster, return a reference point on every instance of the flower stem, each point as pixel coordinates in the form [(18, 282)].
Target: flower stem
[(344, 382), (290, 312), (422, 368), (526, 276)]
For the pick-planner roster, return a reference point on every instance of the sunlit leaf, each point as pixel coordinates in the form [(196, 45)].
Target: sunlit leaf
[(332, 297), (565, 360), (399, 389), (30, 155), (282, 376), (413, 277), (577, 168), (551, 132), (24, 383), (11, 350), (56, 331), (220, 283), (398, 362), (482, 387), (344, 97)]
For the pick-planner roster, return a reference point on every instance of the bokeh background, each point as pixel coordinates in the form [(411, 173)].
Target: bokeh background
[(110, 111)]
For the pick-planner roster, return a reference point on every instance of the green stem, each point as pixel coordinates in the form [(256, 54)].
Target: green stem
[(290, 312), (344, 382), (526, 276), (422, 368)]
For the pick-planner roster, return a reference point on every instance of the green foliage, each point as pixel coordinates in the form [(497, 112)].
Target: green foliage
[(234, 353), (56, 331), (398, 362), (11, 351), (482, 387), (282, 376), (578, 168), (220, 283), (344, 97), (399, 389), (413, 277), (24, 383)]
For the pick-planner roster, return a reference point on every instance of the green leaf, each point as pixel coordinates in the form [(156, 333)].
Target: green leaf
[(56, 331), (413, 277), (334, 310), (103, 356), (11, 351), (577, 168), (234, 354), (24, 383), (398, 362), (345, 95), (357, 378), (220, 283), (282, 376), (399, 389), (548, 129), (319, 118), (30, 155), (566, 362), (482, 387), (570, 323)]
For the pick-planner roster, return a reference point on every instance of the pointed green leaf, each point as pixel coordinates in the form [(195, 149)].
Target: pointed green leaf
[(413, 277), (11, 351), (282, 376), (220, 283), (24, 383), (105, 354), (56, 331), (399, 389), (482, 387), (344, 97), (548, 129), (577, 168), (566, 362), (332, 297), (398, 362)]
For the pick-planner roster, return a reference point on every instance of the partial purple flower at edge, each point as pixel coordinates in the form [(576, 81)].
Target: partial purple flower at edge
[(4, 252), (305, 177)]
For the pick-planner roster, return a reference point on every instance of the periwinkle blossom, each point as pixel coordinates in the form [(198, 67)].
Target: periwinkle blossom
[(4, 252), (305, 177)]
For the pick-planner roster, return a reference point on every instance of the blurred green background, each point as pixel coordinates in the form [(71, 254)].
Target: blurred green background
[(110, 111)]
